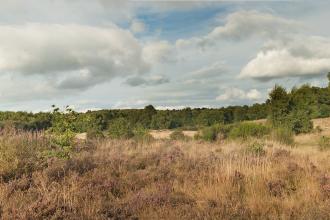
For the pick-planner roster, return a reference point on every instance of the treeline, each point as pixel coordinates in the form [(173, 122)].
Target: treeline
[(149, 117), (294, 109)]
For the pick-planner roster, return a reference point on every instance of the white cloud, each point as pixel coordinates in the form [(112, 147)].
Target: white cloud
[(245, 24), (234, 94), (156, 5), (13, 89), (231, 93), (253, 94), (158, 52), (137, 26), (213, 70), (296, 56), (140, 103), (76, 56), (206, 75)]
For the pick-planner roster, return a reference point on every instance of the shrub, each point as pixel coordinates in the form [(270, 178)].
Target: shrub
[(283, 135), (214, 132), (94, 134), (256, 148), (120, 128), (247, 130), (177, 135), (20, 154), (64, 139), (141, 134), (324, 143), (62, 144), (300, 122), (208, 134)]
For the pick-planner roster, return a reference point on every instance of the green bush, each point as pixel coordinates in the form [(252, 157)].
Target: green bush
[(64, 139), (208, 134), (256, 148), (300, 122), (141, 134), (247, 130), (283, 135), (324, 143), (217, 131), (94, 134), (120, 128), (177, 135)]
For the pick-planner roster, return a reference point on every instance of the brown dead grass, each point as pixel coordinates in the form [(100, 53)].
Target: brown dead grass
[(124, 179), (311, 140), (166, 134), (166, 179)]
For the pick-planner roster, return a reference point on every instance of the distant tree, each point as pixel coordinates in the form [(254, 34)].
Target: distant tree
[(161, 120), (120, 128), (293, 110), (279, 105), (145, 117), (150, 110)]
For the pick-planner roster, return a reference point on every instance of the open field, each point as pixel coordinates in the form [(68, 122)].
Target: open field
[(165, 179)]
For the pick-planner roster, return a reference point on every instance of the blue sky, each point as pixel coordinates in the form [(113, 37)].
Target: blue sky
[(181, 24), (172, 54)]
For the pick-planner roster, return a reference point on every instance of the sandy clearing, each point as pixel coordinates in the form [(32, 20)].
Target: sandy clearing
[(165, 134)]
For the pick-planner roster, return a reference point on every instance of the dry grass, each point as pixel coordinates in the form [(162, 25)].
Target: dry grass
[(311, 140), (164, 179), (324, 123), (161, 134), (173, 180), (166, 134)]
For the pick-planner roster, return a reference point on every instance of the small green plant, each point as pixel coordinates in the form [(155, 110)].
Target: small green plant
[(62, 132), (59, 152), (63, 139), (324, 143), (141, 134), (248, 130), (283, 135), (208, 134), (256, 148), (214, 132)]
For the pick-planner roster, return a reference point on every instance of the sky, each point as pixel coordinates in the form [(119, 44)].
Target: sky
[(111, 54)]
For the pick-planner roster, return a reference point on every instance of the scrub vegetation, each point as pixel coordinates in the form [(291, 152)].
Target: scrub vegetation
[(234, 166)]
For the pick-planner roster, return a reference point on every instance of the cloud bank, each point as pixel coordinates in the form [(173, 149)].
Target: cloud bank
[(298, 56), (235, 94), (76, 56)]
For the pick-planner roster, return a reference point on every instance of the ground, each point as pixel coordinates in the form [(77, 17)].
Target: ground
[(170, 179)]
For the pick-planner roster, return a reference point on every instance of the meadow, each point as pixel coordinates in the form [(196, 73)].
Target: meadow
[(176, 177)]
